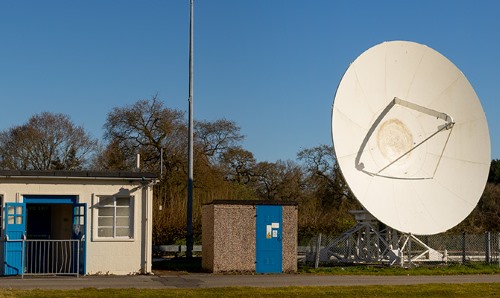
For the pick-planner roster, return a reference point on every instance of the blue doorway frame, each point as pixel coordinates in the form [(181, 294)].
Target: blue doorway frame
[(15, 233), (16, 218), (50, 199)]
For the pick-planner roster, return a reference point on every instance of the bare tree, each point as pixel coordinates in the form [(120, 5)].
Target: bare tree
[(494, 175), (239, 165), (217, 137), (324, 174), (328, 196), (146, 127), (281, 180), (47, 141)]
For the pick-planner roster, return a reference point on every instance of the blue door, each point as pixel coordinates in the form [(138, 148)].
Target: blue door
[(269, 246), (79, 227), (15, 229)]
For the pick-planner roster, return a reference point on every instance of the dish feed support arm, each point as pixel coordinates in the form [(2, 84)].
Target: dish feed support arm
[(421, 109)]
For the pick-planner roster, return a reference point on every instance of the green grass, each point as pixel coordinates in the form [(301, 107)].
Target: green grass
[(428, 290)]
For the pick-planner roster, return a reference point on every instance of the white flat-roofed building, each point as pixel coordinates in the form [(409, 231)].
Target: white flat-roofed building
[(75, 222)]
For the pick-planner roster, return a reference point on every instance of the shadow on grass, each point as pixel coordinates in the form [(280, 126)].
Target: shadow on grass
[(179, 264), (423, 269), (185, 265)]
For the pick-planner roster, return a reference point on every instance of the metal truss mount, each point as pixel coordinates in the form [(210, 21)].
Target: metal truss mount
[(369, 241)]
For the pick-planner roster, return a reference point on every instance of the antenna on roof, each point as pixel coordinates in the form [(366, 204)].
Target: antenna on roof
[(138, 162)]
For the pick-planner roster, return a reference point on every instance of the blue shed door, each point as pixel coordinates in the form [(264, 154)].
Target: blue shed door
[(269, 248), (15, 229)]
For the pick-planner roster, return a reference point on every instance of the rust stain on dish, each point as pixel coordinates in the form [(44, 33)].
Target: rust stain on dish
[(394, 139)]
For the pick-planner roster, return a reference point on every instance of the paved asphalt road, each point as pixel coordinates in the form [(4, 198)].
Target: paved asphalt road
[(204, 280)]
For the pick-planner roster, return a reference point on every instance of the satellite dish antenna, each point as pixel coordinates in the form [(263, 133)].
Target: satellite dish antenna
[(411, 137)]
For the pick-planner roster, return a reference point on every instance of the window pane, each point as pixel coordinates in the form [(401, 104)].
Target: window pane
[(106, 211), (19, 220), (114, 217), (105, 221), (122, 221), (122, 232), (19, 210), (123, 211), (122, 201), (10, 219), (10, 210), (106, 202), (105, 232)]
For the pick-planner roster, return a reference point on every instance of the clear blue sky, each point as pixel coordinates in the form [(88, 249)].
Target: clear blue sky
[(272, 66)]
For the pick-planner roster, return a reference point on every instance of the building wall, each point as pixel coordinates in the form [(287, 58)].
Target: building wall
[(229, 238), (102, 257)]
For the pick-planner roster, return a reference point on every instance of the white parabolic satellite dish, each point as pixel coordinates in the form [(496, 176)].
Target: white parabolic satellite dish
[(411, 137)]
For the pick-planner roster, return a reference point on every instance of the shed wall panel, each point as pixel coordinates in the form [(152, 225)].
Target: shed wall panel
[(234, 238)]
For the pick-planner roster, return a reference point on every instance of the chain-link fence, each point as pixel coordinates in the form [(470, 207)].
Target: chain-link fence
[(370, 247)]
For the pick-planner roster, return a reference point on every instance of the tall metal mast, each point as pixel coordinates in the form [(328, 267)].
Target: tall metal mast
[(189, 234)]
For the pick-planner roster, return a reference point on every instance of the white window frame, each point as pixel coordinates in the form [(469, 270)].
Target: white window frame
[(95, 218)]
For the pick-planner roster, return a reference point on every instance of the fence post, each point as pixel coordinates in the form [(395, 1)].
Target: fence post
[(23, 251), (318, 248), (409, 252), (463, 247), (78, 258), (487, 251)]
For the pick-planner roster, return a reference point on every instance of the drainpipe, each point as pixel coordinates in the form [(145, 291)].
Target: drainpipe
[(147, 250)]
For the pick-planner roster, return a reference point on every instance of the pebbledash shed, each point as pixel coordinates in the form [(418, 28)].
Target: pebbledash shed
[(75, 222), (249, 236)]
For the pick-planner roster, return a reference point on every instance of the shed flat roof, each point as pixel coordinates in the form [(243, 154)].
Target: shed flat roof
[(78, 174), (252, 202)]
